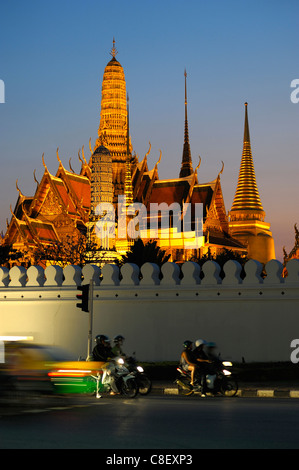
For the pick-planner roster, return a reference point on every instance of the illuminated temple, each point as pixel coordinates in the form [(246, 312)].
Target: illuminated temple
[(65, 204)]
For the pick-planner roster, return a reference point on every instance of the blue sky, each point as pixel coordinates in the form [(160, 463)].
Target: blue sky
[(52, 59)]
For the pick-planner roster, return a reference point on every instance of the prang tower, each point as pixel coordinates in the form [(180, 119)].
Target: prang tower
[(247, 217)]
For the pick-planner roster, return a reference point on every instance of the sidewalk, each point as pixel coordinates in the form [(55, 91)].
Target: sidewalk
[(246, 389)]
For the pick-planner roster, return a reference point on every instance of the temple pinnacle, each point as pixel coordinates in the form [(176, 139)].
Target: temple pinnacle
[(186, 167), (246, 125), (113, 50)]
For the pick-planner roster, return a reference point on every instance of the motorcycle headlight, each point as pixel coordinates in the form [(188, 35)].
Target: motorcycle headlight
[(120, 361), (227, 372), (140, 369), (227, 363)]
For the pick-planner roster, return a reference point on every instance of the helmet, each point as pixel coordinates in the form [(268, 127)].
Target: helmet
[(100, 338), (200, 342), (187, 344), (118, 338)]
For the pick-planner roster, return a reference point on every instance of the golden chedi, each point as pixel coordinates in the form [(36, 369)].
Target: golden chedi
[(247, 216)]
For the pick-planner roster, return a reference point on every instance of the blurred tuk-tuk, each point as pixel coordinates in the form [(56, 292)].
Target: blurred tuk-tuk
[(26, 367), (40, 369)]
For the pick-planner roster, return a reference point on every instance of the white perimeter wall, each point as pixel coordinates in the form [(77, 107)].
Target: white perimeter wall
[(253, 318)]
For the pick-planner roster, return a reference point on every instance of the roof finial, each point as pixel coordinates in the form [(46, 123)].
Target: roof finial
[(35, 178), (113, 50), (185, 74), (186, 166), (246, 125), (58, 158), (20, 192)]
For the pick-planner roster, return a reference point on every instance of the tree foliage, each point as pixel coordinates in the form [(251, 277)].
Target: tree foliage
[(141, 253), (222, 258), (10, 256), (72, 250)]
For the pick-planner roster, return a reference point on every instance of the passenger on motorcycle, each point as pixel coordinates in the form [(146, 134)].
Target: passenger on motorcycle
[(102, 352), (117, 348), (187, 360), (203, 362)]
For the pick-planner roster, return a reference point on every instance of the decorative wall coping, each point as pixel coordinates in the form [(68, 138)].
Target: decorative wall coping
[(149, 275)]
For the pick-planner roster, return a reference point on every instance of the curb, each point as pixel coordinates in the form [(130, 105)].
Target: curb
[(254, 393)]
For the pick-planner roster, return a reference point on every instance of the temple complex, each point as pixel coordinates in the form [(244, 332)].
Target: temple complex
[(67, 204)]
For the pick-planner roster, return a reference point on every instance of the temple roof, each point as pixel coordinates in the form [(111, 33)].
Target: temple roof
[(169, 191), (32, 231)]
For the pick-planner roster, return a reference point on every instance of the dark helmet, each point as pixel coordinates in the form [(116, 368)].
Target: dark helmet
[(118, 338), (100, 338), (187, 344)]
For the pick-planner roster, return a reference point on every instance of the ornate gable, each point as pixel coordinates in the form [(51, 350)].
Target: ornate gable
[(51, 205)]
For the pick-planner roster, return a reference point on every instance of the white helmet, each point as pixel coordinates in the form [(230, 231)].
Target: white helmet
[(198, 342)]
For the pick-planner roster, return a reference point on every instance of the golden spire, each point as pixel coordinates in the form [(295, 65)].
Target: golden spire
[(186, 167), (247, 201)]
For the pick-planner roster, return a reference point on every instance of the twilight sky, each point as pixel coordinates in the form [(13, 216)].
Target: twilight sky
[(52, 59)]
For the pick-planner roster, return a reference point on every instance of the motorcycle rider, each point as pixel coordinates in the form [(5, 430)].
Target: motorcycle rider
[(117, 348), (187, 360), (203, 360), (102, 352)]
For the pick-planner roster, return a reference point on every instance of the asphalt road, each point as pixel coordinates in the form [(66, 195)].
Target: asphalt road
[(156, 422)]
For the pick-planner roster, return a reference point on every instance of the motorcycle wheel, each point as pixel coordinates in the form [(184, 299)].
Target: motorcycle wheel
[(144, 385), (229, 387), (184, 389), (129, 388)]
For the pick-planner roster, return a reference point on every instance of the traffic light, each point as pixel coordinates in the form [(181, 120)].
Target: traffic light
[(84, 297)]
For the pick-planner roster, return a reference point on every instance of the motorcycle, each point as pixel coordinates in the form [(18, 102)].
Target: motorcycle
[(220, 380), (123, 379), (143, 382)]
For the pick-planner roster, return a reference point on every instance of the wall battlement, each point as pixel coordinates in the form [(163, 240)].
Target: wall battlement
[(170, 275)]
